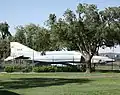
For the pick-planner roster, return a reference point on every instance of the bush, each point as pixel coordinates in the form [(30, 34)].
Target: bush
[(37, 69), (51, 68), (69, 69), (83, 68), (59, 69), (55, 69), (41, 69), (9, 69), (27, 69), (45, 69), (74, 69), (17, 68), (65, 69)]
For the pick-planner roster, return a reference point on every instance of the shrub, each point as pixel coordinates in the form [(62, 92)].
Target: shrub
[(45, 69), (55, 69), (83, 68), (74, 69), (59, 69), (65, 69), (69, 69), (27, 69), (51, 69), (41, 69), (9, 69), (37, 69), (17, 68)]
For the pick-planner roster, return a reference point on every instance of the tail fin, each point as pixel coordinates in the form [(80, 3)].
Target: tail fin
[(18, 49)]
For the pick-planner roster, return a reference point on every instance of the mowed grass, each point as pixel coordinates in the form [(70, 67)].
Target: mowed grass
[(60, 84)]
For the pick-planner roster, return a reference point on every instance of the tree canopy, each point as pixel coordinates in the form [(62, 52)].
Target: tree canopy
[(4, 39), (87, 29), (33, 36)]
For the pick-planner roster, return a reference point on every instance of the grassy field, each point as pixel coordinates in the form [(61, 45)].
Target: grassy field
[(60, 84)]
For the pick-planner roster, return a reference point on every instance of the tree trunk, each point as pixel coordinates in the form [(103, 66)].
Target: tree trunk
[(88, 66)]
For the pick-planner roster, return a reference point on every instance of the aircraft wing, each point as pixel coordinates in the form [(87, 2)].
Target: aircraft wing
[(9, 58), (16, 57)]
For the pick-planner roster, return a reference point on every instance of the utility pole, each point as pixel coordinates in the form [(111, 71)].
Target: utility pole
[(33, 51), (113, 58), (33, 57), (73, 60)]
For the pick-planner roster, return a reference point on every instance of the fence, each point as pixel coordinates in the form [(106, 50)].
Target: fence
[(115, 66)]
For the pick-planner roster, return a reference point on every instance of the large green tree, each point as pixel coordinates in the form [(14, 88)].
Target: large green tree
[(33, 36), (4, 40), (20, 35), (54, 25), (111, 18), (4, 30), (87, 29)]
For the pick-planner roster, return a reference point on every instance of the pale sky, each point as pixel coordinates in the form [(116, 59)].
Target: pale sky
[(21, 12)]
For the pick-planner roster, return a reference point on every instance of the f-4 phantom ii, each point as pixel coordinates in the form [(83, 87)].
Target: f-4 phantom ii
[(19, 51)]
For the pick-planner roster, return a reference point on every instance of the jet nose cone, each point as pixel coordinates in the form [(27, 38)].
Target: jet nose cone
[(112, 60)]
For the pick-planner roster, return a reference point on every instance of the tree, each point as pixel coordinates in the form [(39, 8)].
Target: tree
[(4, 40), (4, 30), (54, 44), (111, 17), (33, 36), (54, 26), (85, 31), (42, 40), (4, 48), (20, 35)]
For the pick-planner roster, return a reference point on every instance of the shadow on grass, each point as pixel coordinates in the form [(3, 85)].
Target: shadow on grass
[(6, 92), (107, 71), (39, 82)]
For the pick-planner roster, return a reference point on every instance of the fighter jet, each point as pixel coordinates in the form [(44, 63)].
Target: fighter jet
[(19, 51)]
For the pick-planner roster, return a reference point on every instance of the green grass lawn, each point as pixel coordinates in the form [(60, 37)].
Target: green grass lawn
[(60, 84)]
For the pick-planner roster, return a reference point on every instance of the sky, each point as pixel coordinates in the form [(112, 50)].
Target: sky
[(22, 12)]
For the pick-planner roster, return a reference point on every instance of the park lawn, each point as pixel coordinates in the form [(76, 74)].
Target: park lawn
[(60, 84)]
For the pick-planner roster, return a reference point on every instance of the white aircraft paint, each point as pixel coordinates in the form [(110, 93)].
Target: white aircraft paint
[(18, 50)]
